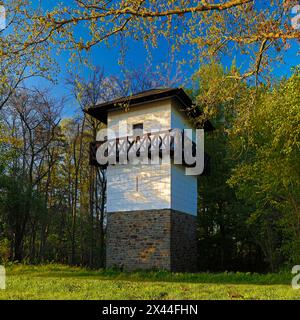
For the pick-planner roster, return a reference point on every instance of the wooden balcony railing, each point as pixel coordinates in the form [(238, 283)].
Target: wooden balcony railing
[(147, 145)]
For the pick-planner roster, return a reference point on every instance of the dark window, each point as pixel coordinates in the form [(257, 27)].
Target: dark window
[(138, 129)]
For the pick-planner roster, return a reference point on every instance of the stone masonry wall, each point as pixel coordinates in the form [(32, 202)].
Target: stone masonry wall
[(184, 248), (151, 239)]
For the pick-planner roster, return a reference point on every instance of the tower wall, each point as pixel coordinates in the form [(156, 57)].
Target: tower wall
[(152, 239), (138, 187), (155, 116), (184, 190), (152, 209)]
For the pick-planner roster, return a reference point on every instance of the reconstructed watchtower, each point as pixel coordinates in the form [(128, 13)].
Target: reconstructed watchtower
[(151, 208)]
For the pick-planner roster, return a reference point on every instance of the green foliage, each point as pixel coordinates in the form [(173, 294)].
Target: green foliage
[(224, 239), (255, 151), (268, 177), (4, 251), (19, 204)]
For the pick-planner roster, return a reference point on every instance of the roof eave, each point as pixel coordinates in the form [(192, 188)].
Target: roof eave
[(100, 111)]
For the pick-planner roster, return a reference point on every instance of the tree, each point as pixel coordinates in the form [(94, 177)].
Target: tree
[(17, 67), (268, 175), (225, 241), (228, 25), (31, 120)]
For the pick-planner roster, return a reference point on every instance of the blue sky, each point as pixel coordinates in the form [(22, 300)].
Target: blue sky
[(136, 57), (107, 58)]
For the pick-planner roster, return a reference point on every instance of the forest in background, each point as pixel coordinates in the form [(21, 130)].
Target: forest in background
[(52, 202)]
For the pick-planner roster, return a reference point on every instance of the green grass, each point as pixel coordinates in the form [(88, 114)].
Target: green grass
[(64, 282)]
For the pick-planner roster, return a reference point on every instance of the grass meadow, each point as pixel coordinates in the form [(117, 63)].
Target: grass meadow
[(64, 282)]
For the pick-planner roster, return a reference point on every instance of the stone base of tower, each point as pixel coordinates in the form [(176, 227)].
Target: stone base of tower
[(152, 239)]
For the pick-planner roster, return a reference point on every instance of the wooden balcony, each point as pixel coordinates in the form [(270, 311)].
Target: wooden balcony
[(151, 145)]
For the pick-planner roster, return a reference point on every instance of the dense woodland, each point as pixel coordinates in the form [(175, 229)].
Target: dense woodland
[(52, 202)]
